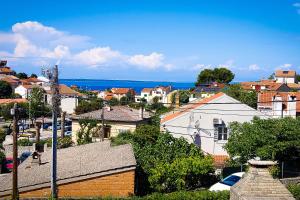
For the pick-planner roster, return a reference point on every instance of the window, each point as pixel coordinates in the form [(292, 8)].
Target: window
[(222, 133), (145, 95)]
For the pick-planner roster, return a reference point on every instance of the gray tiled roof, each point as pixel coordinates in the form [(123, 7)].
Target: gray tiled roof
[(73, 164), (117, 113)]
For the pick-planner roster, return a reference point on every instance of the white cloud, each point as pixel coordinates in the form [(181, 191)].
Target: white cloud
[(198, 67), (254, 67), (297, 5), (45, 44), (97, 56), (152, 61), (284, 66), (229, 64)]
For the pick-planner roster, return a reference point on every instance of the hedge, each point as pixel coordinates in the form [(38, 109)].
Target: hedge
[(295, 190)]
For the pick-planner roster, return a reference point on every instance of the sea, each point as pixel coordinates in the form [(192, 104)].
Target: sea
[(93, 84)]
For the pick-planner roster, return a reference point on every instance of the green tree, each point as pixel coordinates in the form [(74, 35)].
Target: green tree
[(220, 75), (88, 128), (272, 76), (276, 139), (245, 96), (85, 106), (5, 110), (37, 105), (33, 76), (165, 163), (22, 75), (5, 90), (113, 102), (184, 96), (124, 100)]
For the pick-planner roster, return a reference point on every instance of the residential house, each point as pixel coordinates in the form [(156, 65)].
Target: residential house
[(32, 81), (285, 76), (206, 122), (5, 69), (117, 119), (24, 90), (122, 92), (279, 104), (87, 171), (69, 98), (266, 85), (161, 92), (13, 82), (206, 90)]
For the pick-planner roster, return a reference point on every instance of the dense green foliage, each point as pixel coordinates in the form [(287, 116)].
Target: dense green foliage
[(5, 110), (37, 104), (244, 96), (165, 163), (295, 190), (88, 128), (5, 90), (276, 139), (24, 142), (33, 76), (220, 75), (22, 75), (180, 195), (113, 102), (85, 106), (184, 96)]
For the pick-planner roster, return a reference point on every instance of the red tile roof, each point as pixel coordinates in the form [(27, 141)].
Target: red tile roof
[(191, 107), (220, 160), (122, 90), (147, 90), (266, 98), (10, 80), (5, 70), (7, 101), (285, 73)]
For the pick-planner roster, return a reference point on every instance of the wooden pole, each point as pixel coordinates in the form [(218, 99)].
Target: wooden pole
[(62, 125), (15, 153)]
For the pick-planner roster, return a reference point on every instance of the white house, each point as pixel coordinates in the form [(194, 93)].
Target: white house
[(205, 122), (285, 76), (24, 90), (279, 104), (69, 98), (149, 93)]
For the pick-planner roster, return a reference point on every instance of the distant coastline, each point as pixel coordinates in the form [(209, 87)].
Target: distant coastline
[(137, 85)]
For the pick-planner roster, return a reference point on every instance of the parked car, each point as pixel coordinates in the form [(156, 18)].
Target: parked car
[(8, 163), (227, 182), (68, 133), (24, 156)]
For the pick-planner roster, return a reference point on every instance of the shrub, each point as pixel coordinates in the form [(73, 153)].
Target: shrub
[(295, 190), (275, 171), (24, 142), (65, 142), (2, 157)]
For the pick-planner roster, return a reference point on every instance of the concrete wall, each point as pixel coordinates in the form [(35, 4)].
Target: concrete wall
[(116, 128), (184, 124), (116, 185), (285, 80), (69, 104)]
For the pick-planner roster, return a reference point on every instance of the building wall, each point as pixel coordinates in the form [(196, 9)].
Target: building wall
[(69, 104), (116, 128), (21, 91), (116, 185), (184, 125), (285, 80)]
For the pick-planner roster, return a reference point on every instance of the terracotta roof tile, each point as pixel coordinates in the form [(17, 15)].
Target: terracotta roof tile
[(7, 101), (191, 107), (122, 90), (147, 90), (285, 73)]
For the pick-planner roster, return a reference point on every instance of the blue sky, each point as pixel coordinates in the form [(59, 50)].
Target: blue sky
[(151, 40)]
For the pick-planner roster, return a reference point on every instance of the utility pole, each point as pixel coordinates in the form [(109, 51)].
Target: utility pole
[(102, 127), (52, 75), (62, 124), (14, 113)]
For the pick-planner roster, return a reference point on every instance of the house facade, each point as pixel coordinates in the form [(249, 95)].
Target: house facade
[(206, 122), (285, 76), (279, 104), (122, 92), (117, 119), (161, 92), (24, 90)]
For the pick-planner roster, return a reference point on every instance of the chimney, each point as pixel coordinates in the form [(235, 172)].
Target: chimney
[(277, 106), (177, 102), (36, 158), (141, 112), (292, 105), (258, 183)]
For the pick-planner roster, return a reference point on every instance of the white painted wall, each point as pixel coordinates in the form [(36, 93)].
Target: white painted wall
[(69, 104), (22, 91), (285, 80), (205, 115)]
